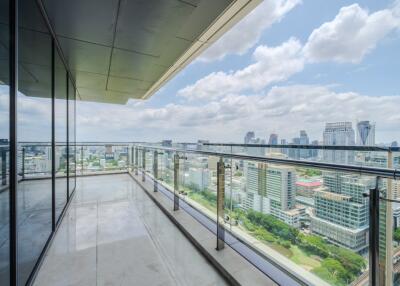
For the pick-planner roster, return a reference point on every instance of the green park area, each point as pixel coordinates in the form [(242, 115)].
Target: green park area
[(336, 265)]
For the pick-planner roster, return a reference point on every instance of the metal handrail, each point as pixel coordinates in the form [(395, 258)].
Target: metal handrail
[(309, 146), (387, 173)]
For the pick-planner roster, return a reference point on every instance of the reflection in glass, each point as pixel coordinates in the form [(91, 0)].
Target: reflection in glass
[(4, 146), (34, 197), (60, 110), (71, 137)]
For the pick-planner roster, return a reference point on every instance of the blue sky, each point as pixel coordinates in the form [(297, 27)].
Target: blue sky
[(289, 65)]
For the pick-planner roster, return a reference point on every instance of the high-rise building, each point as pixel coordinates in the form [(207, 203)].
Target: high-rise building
[(365, 133), (250, 136), (271, 190), (284, 150), (304, 140), (294, 153), (341, 210), (341, 134), (273, 139), (314, 152)]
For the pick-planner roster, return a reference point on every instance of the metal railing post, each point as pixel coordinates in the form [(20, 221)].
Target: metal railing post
[(23, 163), (131, 160), (143, 165), (4, 167), (136, 160), (374, 234), (176, 182), (387, 271), (82, 160), (220, 204), (155, 170)]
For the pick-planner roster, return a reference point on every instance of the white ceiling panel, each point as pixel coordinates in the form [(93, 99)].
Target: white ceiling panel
[(83, 56), (130, 48), (88, 20)]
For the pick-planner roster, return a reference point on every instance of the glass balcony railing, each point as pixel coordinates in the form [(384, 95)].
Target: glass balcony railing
[(311, 216), (34, 159)]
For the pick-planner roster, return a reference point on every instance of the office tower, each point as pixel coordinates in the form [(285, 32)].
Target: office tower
[(365, 133), (273, 139), (394, 144), (304, 140), (256, 188), (341, 210), (250, 136), (271, 190), (314, 152), (294, 153), (284, 150), (341, 134)]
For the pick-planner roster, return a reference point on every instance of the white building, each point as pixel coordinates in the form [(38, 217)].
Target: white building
[(341, 134)]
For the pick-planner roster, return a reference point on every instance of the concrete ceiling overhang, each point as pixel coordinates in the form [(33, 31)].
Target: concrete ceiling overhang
[(122, 49)]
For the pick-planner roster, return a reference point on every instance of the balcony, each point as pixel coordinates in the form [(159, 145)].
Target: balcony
[(176, 214), (77, 207)]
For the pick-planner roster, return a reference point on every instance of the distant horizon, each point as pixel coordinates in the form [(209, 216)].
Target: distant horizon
[(273, 72)]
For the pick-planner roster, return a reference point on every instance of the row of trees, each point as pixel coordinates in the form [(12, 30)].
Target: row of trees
[(339, 265)]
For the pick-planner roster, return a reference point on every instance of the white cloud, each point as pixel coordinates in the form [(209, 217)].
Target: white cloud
[(352, 34), (284, 109), (272, 64), (247, 32)]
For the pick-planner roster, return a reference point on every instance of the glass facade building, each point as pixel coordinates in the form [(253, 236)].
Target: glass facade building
[(37, 156)]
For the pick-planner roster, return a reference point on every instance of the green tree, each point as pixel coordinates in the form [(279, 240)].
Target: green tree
[(396, 234), (336, 269)]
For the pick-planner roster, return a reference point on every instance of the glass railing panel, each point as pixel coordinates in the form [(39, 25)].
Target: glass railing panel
[(97, 159), (149, 161), (166, 168), (313, 224), (389, 250), (310, 223), (198, 183)]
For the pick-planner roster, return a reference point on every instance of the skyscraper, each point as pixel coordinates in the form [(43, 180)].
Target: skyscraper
[(342, 134), (294, 153), (273, 139), (304, 140), (250, 136), (365, 133)]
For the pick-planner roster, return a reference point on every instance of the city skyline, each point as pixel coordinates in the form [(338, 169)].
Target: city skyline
[(273, 80)]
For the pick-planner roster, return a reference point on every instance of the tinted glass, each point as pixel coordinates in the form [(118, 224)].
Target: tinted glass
[(34, 220), (4, 138), (71, 135), (60, 109)]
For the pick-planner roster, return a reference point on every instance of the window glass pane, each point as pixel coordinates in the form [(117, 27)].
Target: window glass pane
[(34, 126), (60, 107), (4, 146), (72, 147)]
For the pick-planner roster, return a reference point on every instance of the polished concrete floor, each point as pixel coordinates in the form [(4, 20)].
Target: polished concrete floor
[(34, 223), (114, 234)]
